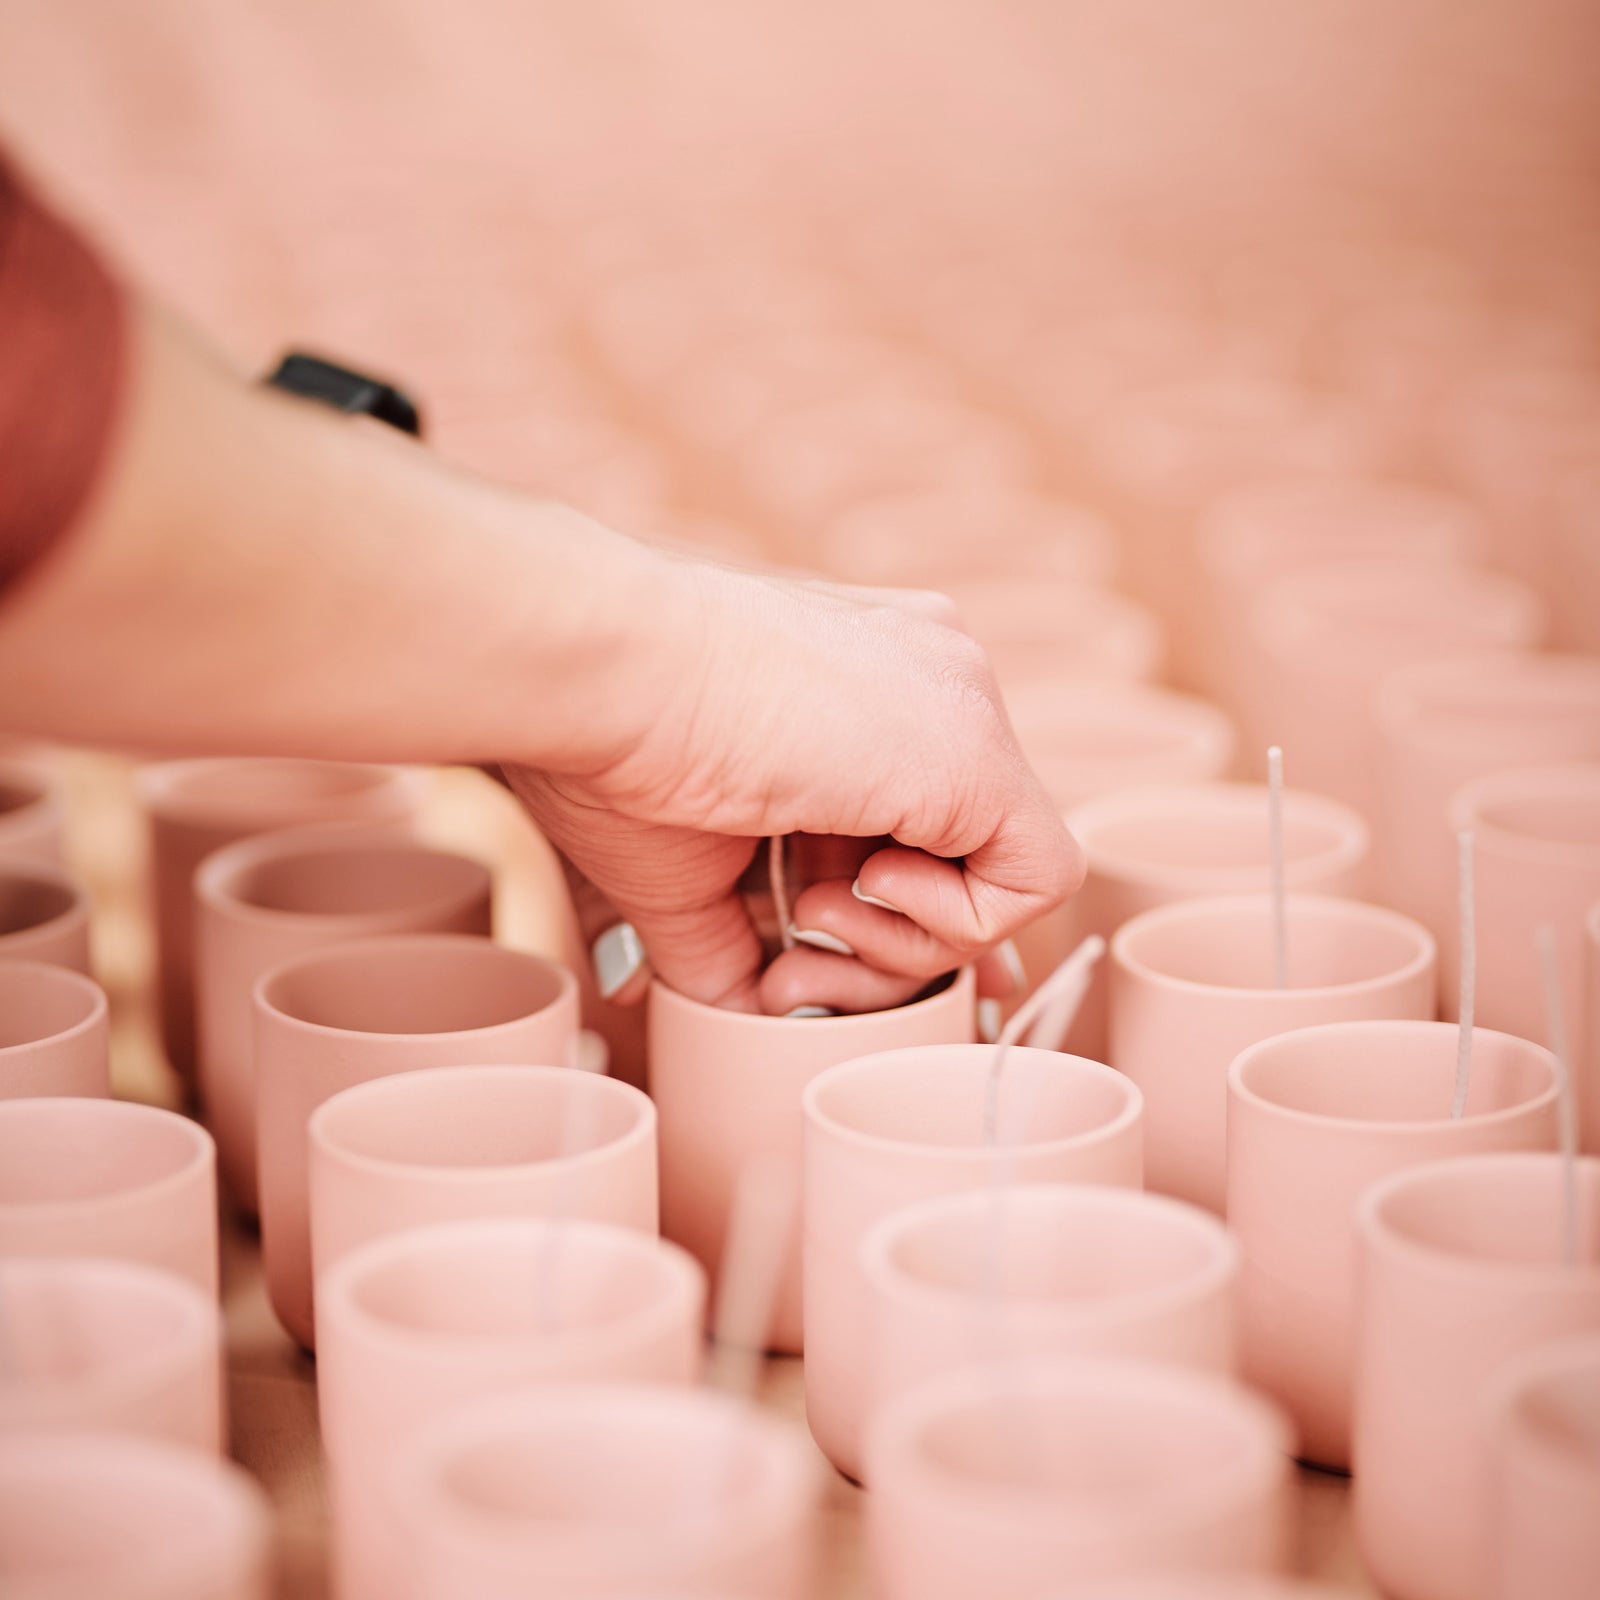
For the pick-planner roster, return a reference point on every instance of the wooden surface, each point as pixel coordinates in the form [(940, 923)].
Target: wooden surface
[(272, 1400)]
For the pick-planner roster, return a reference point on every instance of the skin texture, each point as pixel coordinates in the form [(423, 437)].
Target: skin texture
[(255, 574)]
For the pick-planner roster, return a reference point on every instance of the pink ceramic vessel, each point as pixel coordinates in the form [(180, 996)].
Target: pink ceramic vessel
[(197, 807), (1325, 639), (727, 1087), (44, 915), (1586, 1079), (33, 813), (1444, 723), (1002, 1480), (1460, 1268), (1203, 1586), (884, 1131), (54, 1034), (88, 1516), (1148, 847), (1536, 861), (91, 1177), (1085, 741), (369, 1009), (109, 1346), (415, 1325), (1193, 983), (263, 902), (1315, 1118), (448, 1144), (1268, 530), (1575, 561), (590, 1489), (1544, 1474), (1018, 1273), (930, 538)]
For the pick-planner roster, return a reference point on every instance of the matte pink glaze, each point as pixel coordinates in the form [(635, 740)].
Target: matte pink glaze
[(1536, 860), (91, 1177), (33, 812), (887, 1130), (54, 1032), (1586, 1077), (1459, 1270), (1265, 531), (263, 902), (109, 1346), (585, 1490), (1087, 741), (197, 807), (353, 1012), (87, 1516), (1023, 1272), (1544, 1474), (1326, 638), (1203, 1586), (447, 1144), (1444, 723), (1192, 984), (1315, 1118), (44, 915), (1148, 847), (414, 1326), (1001, 1480), (727, 1087)]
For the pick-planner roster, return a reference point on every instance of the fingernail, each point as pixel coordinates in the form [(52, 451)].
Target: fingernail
[(617, 954), (818, 940), (810, 1011), (1007, 951), (871, 899), (988, 1020)]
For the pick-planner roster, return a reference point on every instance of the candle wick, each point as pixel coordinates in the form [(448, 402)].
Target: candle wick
[(1556, 1015), (1467, 994), (780, 890), (1280, 908)]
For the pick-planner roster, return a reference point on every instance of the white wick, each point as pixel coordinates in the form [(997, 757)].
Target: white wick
[(1280, 909), (760, 1227), (1469, 970), (780, 889), (1052, 1005), (1556, 1015)]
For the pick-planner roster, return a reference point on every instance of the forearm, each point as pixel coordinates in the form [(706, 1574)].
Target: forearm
[(255, 573)]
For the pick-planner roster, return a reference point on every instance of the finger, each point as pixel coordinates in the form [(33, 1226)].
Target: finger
[(813, 978), (827, 916), (617, 955)]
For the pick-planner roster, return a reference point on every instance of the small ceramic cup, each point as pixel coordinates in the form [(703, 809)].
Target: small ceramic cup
[(197, 807), (1023, 1272), (1193, 983), (1544, 1474), (44, 915), (415, 1325), (1315, 1118), (1326, 638), (90, 1177), (264, 901), (887, 1130), (727, 1087), (109, 1346), (1442, 724), (1460, 1268), (1000, 1480), (588, 1489), (448, 1144), (54, 1033), (1087, 741), (33, 813), (369, 1009), (1536, 860), (1148, 847), (84, 1516)]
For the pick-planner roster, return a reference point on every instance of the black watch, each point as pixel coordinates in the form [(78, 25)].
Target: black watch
[(345, 390)]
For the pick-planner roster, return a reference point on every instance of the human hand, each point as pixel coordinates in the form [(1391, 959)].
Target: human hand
[(761, 705)]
